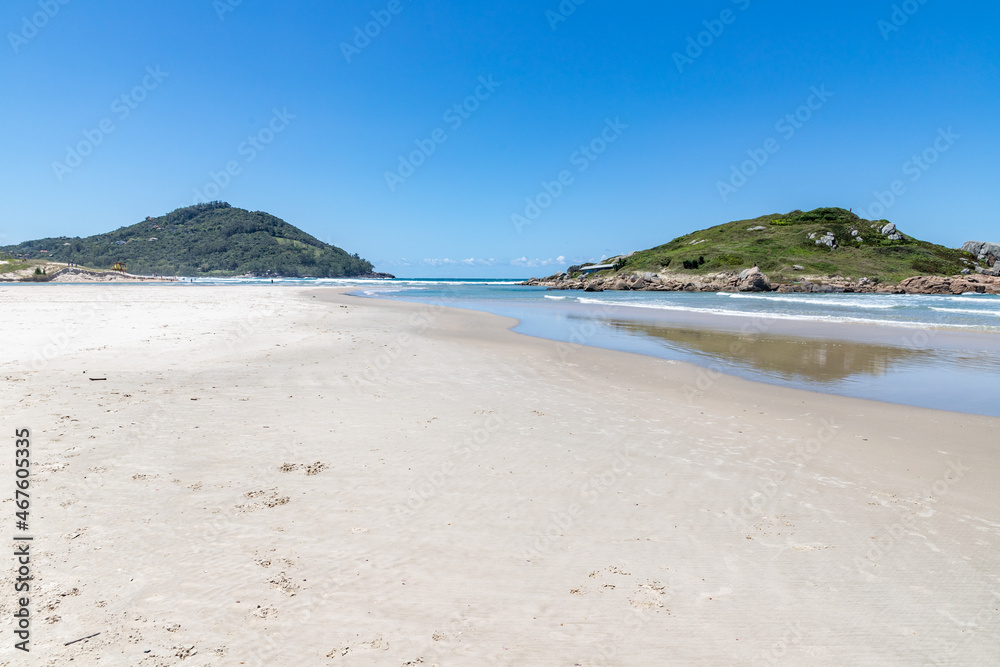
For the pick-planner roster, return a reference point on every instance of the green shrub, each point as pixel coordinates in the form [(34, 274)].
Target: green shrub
[(928, 265), (729, 259)]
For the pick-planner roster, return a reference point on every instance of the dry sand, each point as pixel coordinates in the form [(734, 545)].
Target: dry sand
[(278, 476)]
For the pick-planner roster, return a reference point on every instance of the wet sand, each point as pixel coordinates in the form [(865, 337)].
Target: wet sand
[(940, 368)]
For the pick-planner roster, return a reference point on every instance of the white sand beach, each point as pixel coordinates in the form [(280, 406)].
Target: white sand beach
[(284, 476)]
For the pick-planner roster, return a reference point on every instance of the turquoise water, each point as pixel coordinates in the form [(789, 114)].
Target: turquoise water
[(972, 312)]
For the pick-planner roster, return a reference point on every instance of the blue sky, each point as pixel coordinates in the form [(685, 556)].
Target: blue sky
[(581, 130)]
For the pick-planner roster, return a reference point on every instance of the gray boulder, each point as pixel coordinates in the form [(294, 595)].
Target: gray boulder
[(752, 280), (828, 240), (890, 232), (984, 252), (973, 247)]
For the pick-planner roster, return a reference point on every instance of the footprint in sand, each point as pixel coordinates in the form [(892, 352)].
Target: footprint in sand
[(284, 584), (269, 498), (264, 612), (310, 468), (651, 594)]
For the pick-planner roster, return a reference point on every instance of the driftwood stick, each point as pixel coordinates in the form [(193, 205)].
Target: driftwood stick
[(81, 639)]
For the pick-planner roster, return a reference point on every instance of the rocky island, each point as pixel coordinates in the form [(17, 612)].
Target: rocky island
[(824, 250)]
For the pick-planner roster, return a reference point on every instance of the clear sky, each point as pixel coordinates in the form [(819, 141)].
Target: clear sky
[(580, 131)]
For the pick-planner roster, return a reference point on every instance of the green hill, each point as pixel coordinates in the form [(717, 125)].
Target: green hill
[(779, 242), (212, 239)]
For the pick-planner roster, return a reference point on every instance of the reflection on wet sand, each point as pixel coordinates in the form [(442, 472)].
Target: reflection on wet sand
[(788, 357)]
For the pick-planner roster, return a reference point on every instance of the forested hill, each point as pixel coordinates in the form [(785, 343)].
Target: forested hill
[(211, 239)]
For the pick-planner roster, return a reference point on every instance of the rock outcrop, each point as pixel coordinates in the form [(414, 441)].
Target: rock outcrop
[(828, 239), (945, 285), (988, 253), (753, 280), (889, 231)]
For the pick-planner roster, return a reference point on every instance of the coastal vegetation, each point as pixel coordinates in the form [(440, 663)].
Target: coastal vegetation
[(825, 241), (9, 263), (213, 239)]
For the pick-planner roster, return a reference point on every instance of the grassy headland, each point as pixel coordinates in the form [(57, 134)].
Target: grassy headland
[(778, 243)]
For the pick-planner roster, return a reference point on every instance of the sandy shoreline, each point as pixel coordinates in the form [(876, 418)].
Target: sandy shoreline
[(280, 476), (921, 365)]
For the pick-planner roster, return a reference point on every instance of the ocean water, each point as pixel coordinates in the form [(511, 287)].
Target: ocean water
[(974, 312)]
